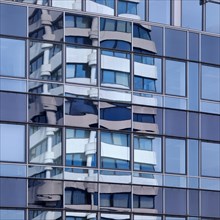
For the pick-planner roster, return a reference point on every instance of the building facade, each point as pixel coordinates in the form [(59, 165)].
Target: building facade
[(110, 109)]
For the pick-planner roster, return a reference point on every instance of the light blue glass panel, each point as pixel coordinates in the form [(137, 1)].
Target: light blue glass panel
[(212, 17), (193, 182), (177, 103), (12, 170), (212, 184), (175, 156), (174, 181), (210, 159), (193, 86), (12, 85), (159, 11), (175, 78), (211, 83), (193, 158), (12, 57), (192, 14), (12, 142), (210, 107), (11, 214)]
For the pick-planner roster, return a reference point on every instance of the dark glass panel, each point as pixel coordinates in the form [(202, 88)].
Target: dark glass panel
[(157, 37), (13, 20), (193, 46), (193, 125), (193, 202)]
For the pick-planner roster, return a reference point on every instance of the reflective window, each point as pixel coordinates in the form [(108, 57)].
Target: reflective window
[(175, 156), (193, 86), (115, 150), (210, 129), (193, 125), (70, 4), (140, 32), (13, 20), (193, 46), (45, 193), (85, 26), (45, 24), (125, 7), (80, 195), (210, 167), (115, 116), (193, 201), (11, 101), (175, 78), (13, 170), (81, 65), (12, 214), (44, 214), (12, 57), (157, 38), (175, 123), (192, 14), (45, 61), (193, 157), (210, 49), (45, 144), (108, 216), (11, 196), (45, 109), (81, 112), (175, 43), (212, 17), (211, 83), (101, 6), (80, 147), (112, 195), (12, 142), (147, 153), (159, 11), (210, 203), (179, 206), (12, 85)]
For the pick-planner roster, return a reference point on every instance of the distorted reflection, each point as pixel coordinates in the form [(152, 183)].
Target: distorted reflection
[(45, 24), (44, 215), (45, 61), (81, 112), (81, 65), (81, 29), (81, 195), (45, 144)]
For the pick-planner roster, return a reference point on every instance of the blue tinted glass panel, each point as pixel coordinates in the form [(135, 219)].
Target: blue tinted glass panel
[(12, 85), (12, 170), (210, 167), (193, 46), (210, 49), (193, 158), (211, 83), (192, 14), (175, 43), (175, 78), (9, 214), (13, 20), (12, 57), (175, 156), (159, 11), (212, 17)]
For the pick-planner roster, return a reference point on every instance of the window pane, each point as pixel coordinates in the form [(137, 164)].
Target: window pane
[(12, 85), (159, 11), (13, 192), (193, 157), (46, 215), (12, 170), (13, 20), (210, 49), (45, 144), (175, 43), (12, 214), (175, 78), (211, 83), (12, 57), (175, 156), (212, 17), (12, 142), (175, 123), (210, 167), (192, 14), (193, 46)]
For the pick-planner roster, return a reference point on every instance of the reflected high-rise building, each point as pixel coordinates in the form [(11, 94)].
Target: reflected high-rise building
[(109, 110)]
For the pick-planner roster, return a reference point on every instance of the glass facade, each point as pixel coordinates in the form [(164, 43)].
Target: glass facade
[(109, 109)]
